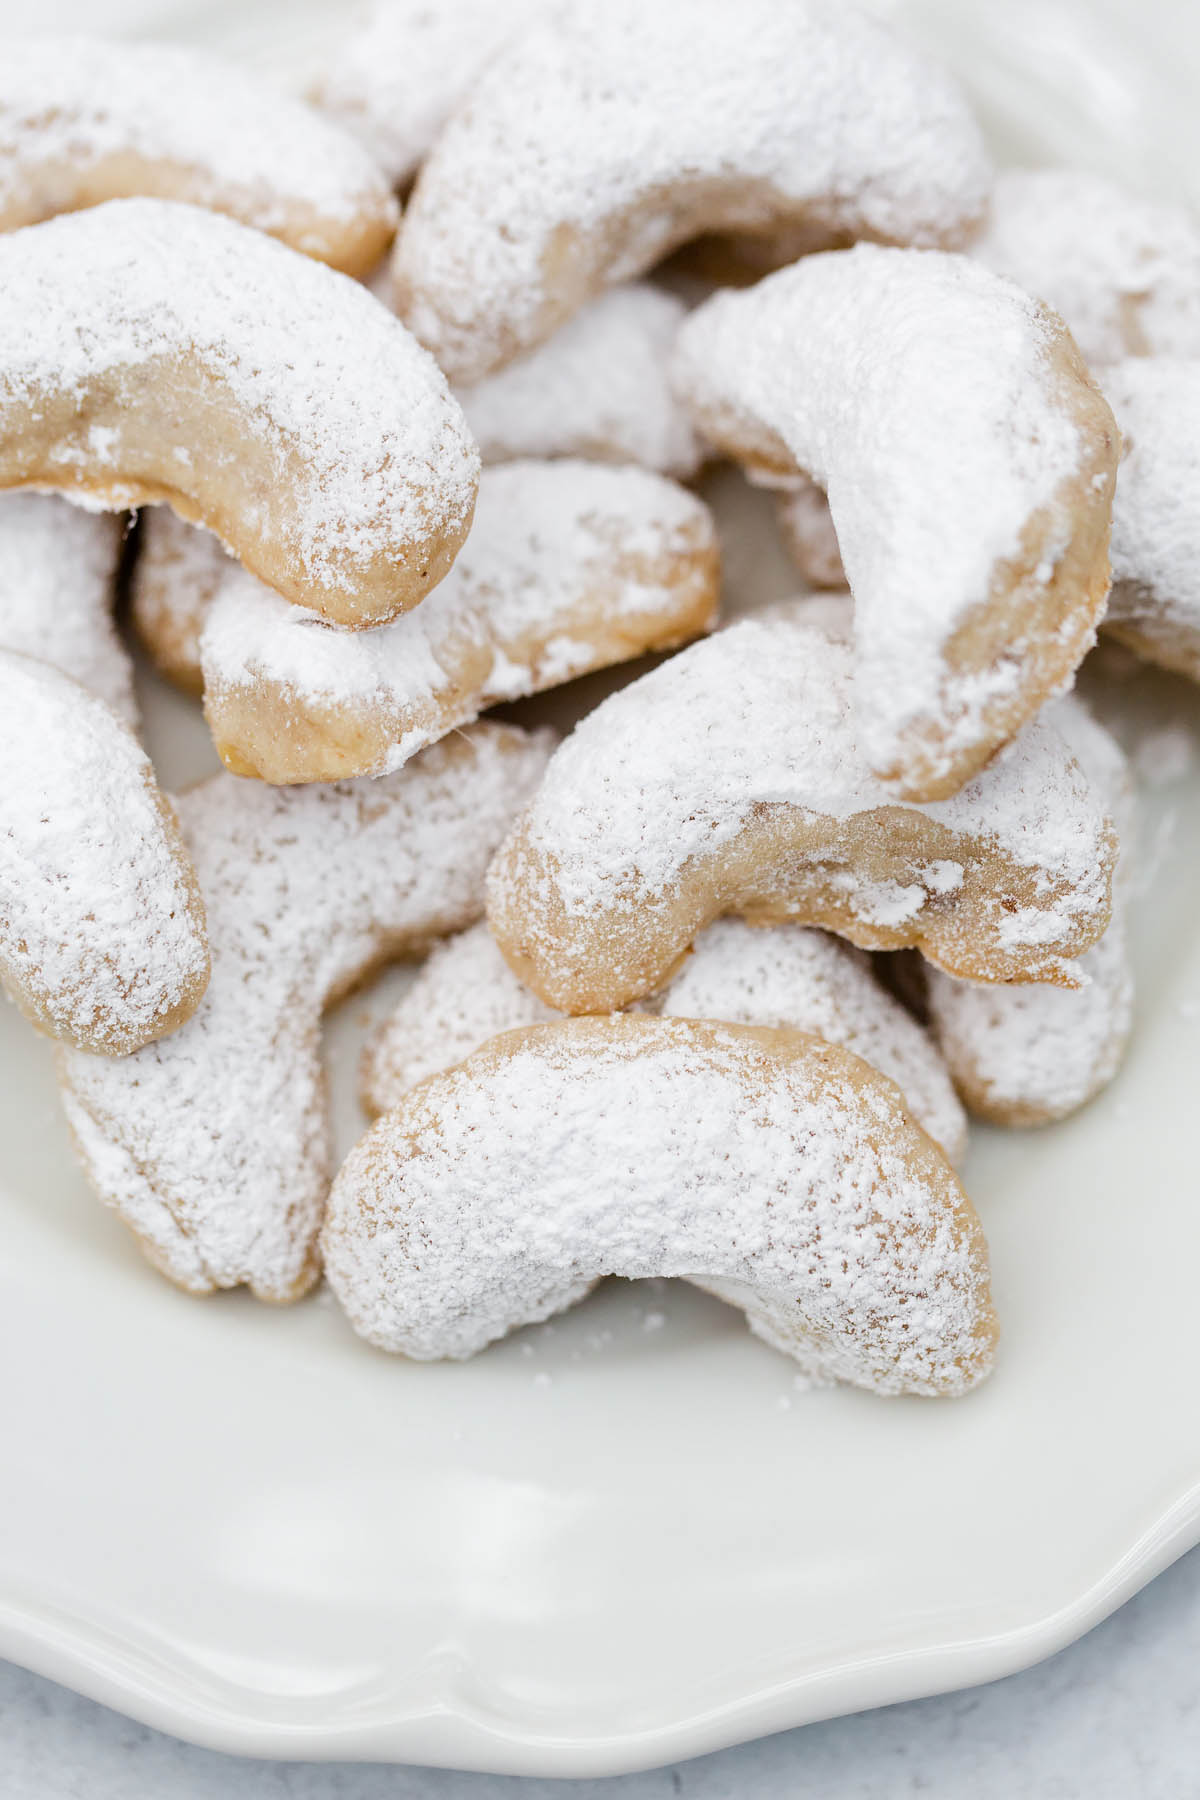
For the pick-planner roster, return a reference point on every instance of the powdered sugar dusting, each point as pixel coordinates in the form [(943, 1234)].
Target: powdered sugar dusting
[(1155, 600), (762, 711), (208, 131), (609, 135), (58, 566), (1029, 1054), (214, 1144), (175, 578), (772, 1169), (403, 67), (598, 388), (101, 934), (464, 994), (787, 977), (569, 566), (919, 391), (325, 389), (780, 976), (663, 778), (1123, 270)]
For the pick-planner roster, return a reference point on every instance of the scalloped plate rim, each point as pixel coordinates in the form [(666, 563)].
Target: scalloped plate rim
[(414, 1733)]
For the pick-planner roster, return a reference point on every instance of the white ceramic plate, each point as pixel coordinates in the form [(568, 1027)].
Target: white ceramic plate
[(626, 1536)]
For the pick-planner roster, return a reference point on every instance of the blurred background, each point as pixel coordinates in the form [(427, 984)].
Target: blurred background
[(1111, 84)]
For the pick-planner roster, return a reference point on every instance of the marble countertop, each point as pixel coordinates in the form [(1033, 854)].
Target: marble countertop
[(1115, 1716)]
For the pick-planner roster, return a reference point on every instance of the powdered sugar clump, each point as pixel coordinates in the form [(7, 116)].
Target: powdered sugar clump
[(598, 388), (326, 438), (772, 1169), (75, 110), (102, 937), (1123, 270), (58, 568), (919, 390), (604, 138), (214, 1144)]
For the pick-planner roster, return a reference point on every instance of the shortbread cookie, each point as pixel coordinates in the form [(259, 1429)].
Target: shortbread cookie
[(790, 978), (781, 976), (606, 137), (214, 1145), (969, 462), (1154, 606), (598, 388), (176, 575), (569, 567), (58, 567), (102, 933), (1124, 273), (809, 533), (1123, 270), (84, 120), (180, 570), (152, 351), (774, 1170), (403, 67), (1029, 1055), (730, 780), (464, 994)]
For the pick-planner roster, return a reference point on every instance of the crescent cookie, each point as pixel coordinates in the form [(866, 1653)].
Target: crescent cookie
[(969, 462), (83, 120), (102, 931), (1154, 606), (1033, 1054), (1123, 270), (153, 351), (609, 135), (214, 1145), (176, 574), (778, 1172), (598, 388), (404, 67), (58, 571), (781, 976), (569, 567), (730, 780)]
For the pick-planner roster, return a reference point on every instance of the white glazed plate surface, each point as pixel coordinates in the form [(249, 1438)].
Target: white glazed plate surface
[(626, 1536)]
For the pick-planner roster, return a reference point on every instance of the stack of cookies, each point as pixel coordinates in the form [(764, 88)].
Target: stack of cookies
[(405, 384)]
